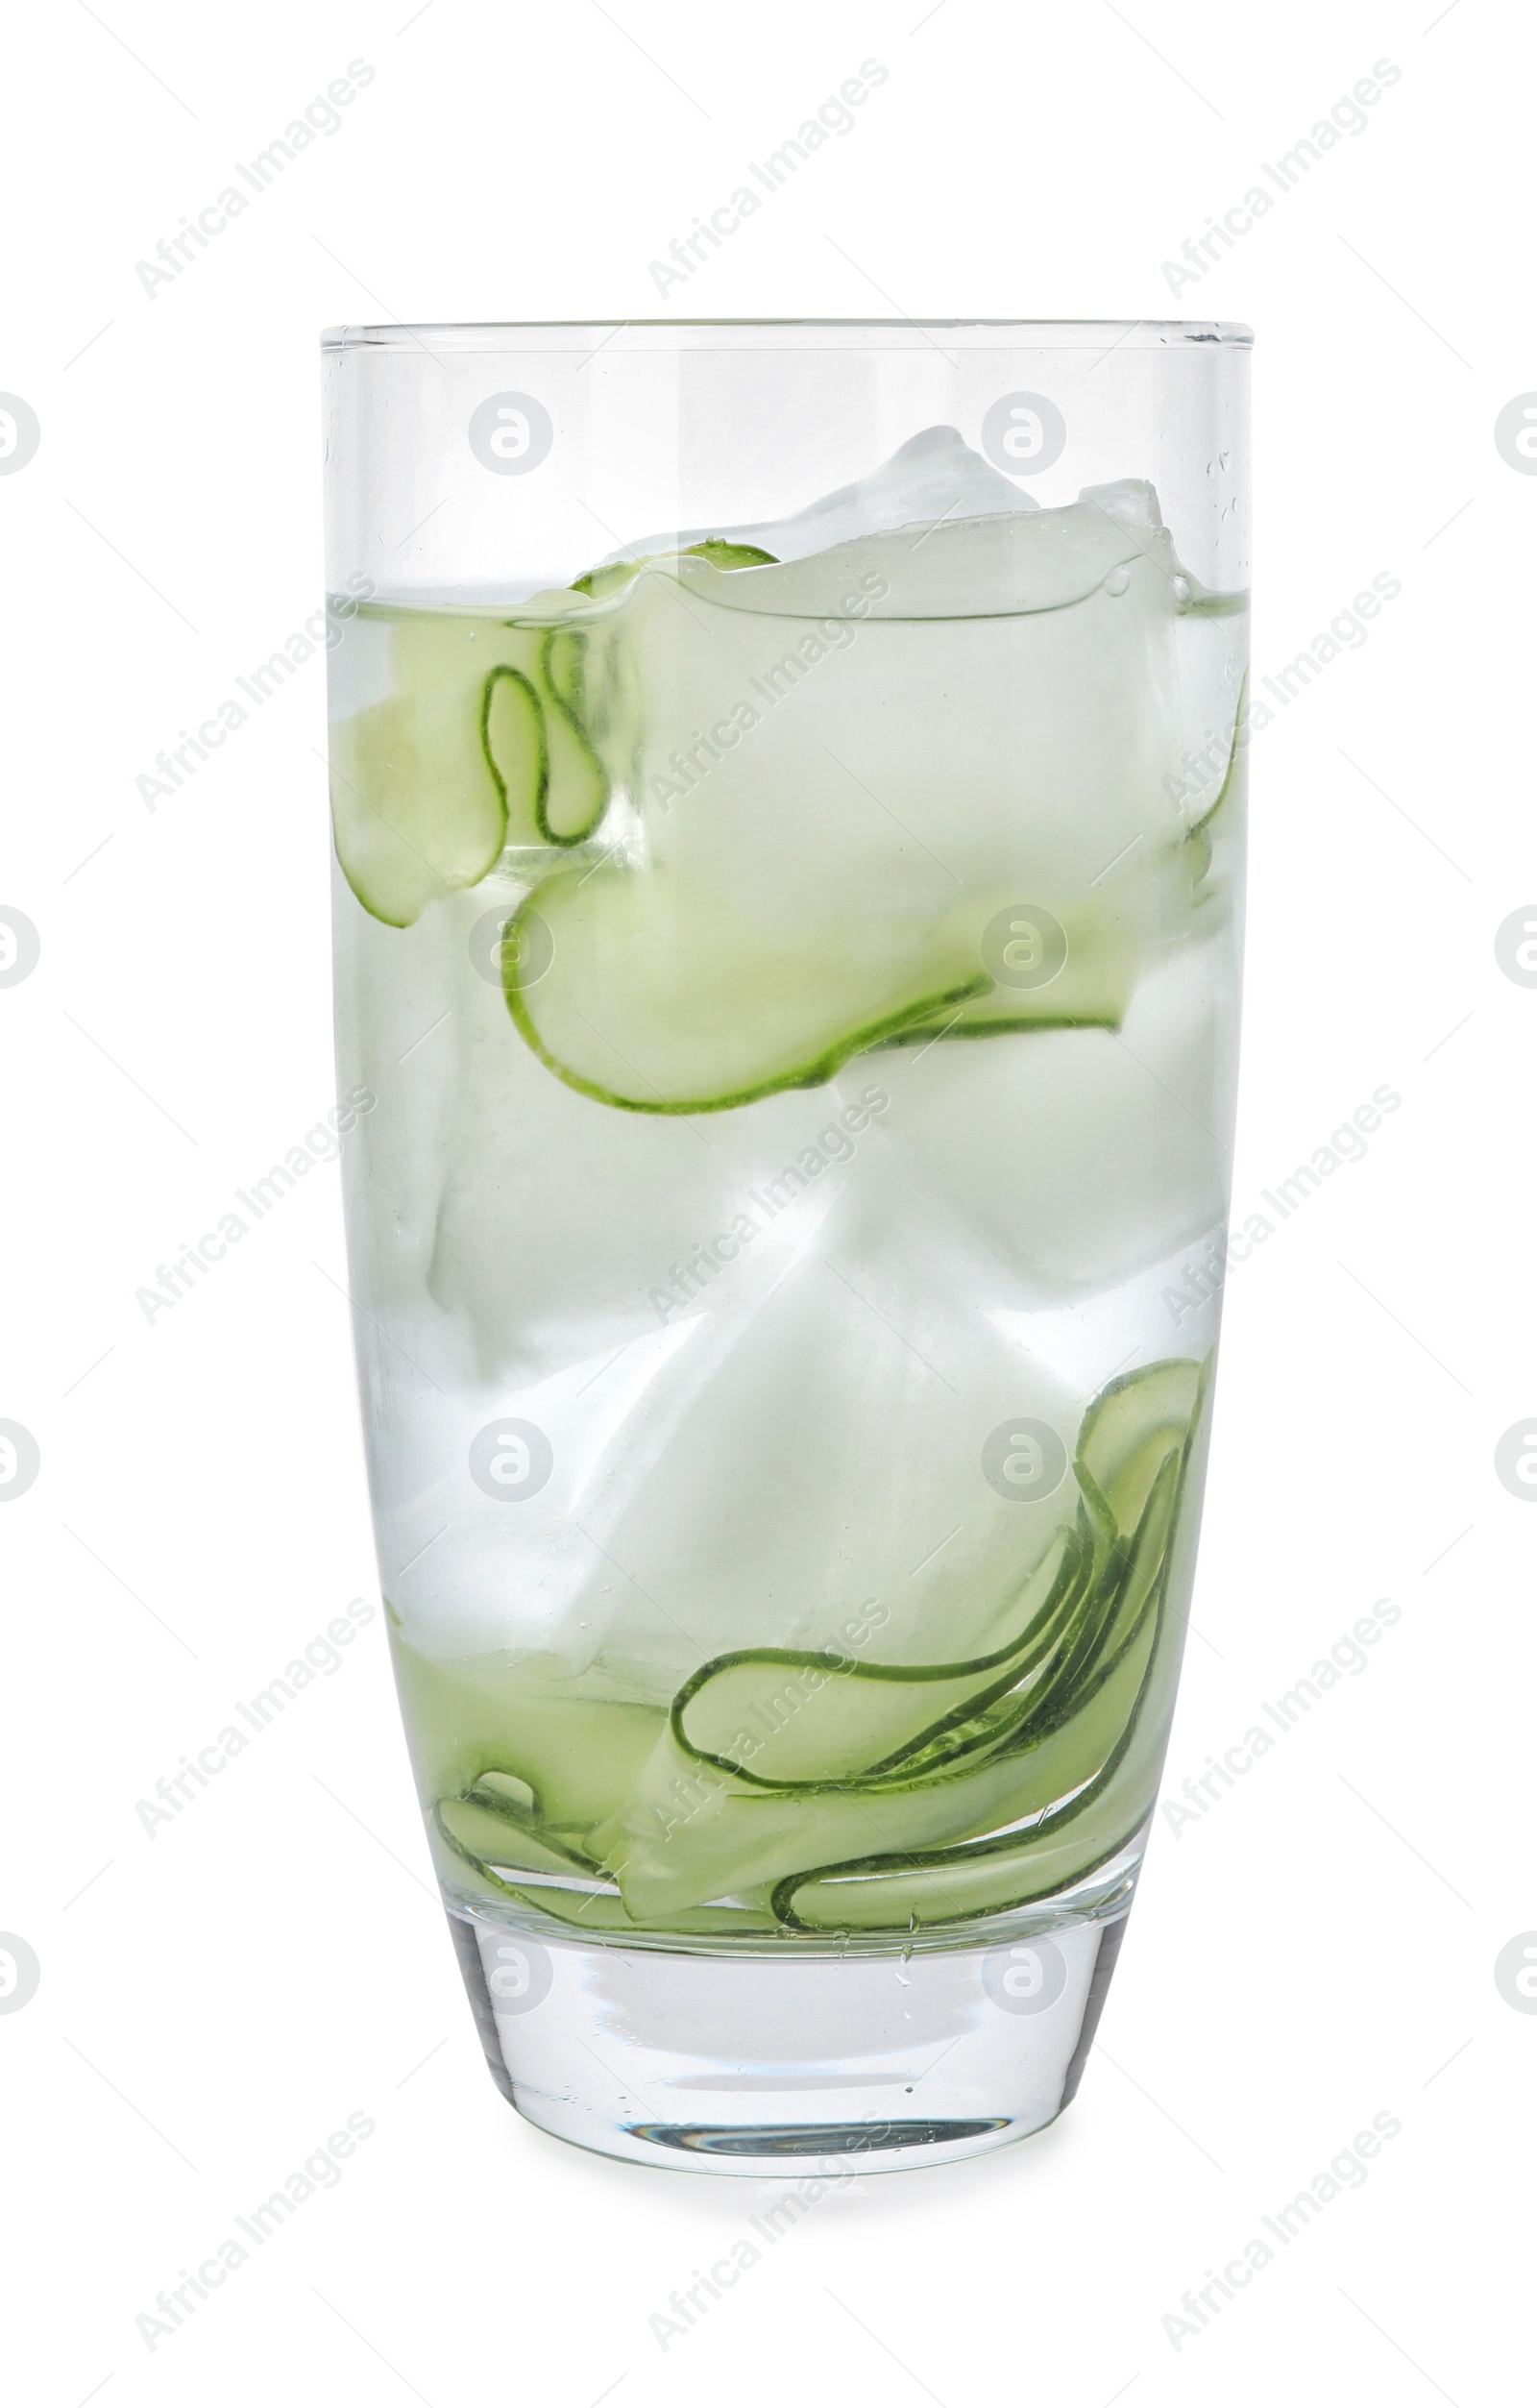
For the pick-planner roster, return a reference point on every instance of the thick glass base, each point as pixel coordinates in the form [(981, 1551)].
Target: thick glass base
[(861, 2059)]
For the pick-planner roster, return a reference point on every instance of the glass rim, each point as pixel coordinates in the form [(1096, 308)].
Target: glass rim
[(1056, 333)]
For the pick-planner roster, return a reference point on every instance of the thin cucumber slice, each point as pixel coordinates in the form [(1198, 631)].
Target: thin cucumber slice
[(564, 665), (481, 1725), (508, 1792), (491, 1828), (1003, 1019), (612, 576), (576, 795), (952, 1884), (1081, 1829), (536, 746), (1118, 1618), (995, 1014), (785, 1719), (1125, 1435), (474, 1829), (665, 998), (971, 1727), (773, 1756), (798, 881), (589, 670), (689, 1834), (863, 1797), (415, 805), (656, 1002), (481, 747), (722, 554), (603, 1910), (515, 747), (1110, 1624)]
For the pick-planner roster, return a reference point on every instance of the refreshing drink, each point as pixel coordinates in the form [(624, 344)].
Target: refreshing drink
[(796, 966)]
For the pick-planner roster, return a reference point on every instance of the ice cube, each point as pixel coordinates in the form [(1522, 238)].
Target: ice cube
[(935, 475), (996, 566)]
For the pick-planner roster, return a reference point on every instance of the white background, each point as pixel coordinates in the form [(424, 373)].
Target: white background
[(1320, 1946)]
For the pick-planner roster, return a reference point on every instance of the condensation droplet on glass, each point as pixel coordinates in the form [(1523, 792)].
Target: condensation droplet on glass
[(1118, 579)]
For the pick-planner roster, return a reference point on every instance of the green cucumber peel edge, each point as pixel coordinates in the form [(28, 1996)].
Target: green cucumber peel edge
[(1099, 1563), (505, 671), (568, 713), (819, 1660), (1061, 1813), (816, 1072)]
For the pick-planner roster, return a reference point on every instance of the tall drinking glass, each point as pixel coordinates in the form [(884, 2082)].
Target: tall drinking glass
[(788, 791)]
